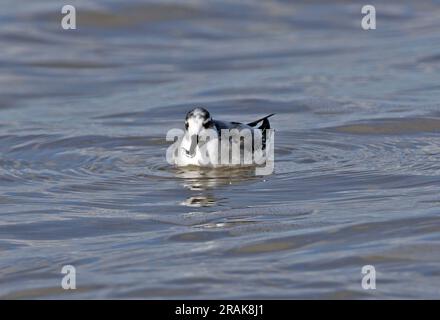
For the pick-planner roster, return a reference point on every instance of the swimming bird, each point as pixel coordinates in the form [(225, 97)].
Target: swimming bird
[(195, 149)]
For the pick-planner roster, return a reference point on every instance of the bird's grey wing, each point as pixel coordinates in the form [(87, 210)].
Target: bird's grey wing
[(236, 138), (230, 125)]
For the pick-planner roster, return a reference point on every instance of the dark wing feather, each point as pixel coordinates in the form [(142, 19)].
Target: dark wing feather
[(254, 123), (264, 126)]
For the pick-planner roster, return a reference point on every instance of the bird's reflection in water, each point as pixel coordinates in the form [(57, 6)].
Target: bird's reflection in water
[(207, 200), (205, 180)]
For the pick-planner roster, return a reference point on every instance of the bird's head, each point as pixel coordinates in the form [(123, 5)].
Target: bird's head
[(196, 120)]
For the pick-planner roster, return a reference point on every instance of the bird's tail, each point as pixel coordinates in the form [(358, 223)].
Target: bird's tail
[(264, 126)]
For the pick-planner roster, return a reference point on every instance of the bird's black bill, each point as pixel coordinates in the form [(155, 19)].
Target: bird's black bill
[(192, 149)]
